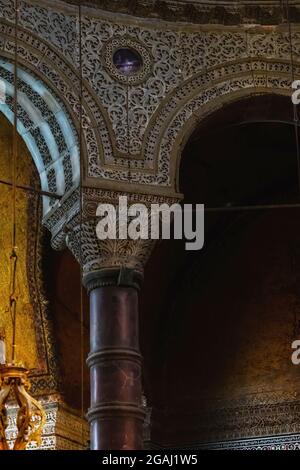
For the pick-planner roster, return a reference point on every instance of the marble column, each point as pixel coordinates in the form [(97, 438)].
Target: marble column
[(116, 415), (112, 275)]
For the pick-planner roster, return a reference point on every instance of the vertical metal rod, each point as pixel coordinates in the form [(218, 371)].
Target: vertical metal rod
[(81, 223), (13, 305)]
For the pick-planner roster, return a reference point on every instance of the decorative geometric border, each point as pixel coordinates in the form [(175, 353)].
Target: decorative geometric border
[(230, 423), (283, 442), (280, 442), (118, 42)]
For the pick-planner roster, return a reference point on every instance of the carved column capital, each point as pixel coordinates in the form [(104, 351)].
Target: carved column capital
[(114, 257), (111, 261), (121, 262)]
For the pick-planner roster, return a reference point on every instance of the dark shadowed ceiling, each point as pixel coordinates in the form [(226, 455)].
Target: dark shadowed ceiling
[(203, 12)]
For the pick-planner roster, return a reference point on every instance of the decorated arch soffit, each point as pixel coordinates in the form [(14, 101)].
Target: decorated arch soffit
[(134, 128), (44, 126)]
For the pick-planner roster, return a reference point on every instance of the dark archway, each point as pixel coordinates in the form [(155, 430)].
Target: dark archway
[(216, 336)]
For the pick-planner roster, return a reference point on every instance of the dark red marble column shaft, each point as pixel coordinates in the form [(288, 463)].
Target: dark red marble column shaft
[(116, 414)]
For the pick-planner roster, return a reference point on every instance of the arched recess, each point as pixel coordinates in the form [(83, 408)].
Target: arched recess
[(46, 127), (262, 156), (196, 98), (263, 160)]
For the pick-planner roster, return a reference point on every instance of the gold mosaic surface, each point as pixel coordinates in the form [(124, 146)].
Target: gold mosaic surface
[(26, 339)]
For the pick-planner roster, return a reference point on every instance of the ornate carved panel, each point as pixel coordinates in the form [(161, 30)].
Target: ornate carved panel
[(188, 64)]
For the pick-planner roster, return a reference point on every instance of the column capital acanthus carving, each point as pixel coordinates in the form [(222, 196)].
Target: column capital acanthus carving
[(110, 261)]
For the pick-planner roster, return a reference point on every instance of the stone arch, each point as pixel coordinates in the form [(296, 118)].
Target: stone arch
[(46, 128), (194, 121), (47, 77), (195, 99)]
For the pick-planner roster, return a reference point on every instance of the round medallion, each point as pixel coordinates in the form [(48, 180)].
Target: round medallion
[(127, 60)]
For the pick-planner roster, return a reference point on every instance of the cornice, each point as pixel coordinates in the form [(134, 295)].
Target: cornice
[(198, 11), (188, 16)]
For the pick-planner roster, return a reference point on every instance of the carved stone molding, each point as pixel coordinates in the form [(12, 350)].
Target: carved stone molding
[(262, 416), (201, 12), (283, 442), (95, 254), (204, 63), (93, 196)]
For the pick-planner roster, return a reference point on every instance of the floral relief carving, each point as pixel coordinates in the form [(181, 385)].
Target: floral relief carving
[(186, 63), (142, 99)]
